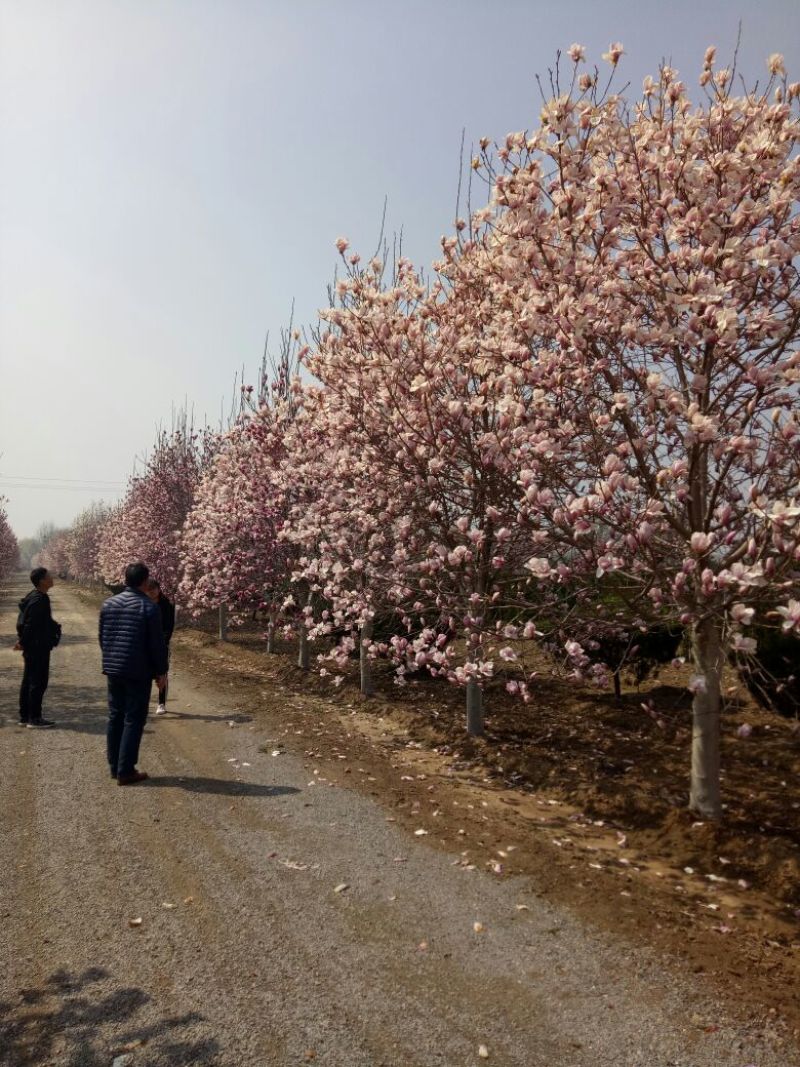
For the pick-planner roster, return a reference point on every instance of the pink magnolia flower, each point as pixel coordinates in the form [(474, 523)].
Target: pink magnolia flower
[(614, 54), (746, 645), (539, 567), (701, 542), (791, 616)]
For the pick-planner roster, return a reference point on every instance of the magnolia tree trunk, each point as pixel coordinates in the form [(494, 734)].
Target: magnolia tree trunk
[(367, 687), (223, 622), (271, 632), (303, 652), (474, 709), (704, 795)]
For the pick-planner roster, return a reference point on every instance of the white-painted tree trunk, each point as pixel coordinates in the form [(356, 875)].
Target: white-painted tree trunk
[(704, 794), (304, 652), (271, 633), (474, 709), (223, 622), (367, 686)]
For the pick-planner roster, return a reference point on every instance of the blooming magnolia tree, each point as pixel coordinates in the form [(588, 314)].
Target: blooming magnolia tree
[(231, 547), (55, 554), (654, 246), (9, 549), (82, 544), (231, 551), (147, 525), (420, 505), (338, 522)]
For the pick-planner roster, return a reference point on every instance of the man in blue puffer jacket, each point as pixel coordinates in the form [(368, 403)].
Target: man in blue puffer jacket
[(134, 653)]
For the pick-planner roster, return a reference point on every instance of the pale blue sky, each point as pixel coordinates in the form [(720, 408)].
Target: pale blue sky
[(172, 174)]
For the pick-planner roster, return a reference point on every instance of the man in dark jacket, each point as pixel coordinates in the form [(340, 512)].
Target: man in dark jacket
[(134, 653), (37, 635)]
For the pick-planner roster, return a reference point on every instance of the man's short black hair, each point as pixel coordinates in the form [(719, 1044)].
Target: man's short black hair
[(37, 574), (136, 574)]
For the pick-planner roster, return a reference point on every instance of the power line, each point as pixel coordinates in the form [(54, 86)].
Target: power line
[(58, 480), (62, 488)]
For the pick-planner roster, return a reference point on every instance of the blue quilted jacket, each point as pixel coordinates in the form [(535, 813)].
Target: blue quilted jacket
[(131, 637)]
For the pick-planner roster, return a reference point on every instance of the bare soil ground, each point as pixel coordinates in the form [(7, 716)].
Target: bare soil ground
[(583, 794)]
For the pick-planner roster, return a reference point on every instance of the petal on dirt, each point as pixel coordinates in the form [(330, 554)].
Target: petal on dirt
[(341, 887), (134, 922)]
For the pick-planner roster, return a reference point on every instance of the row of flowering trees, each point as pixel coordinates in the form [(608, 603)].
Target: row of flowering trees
[(586, 421), (9, 549)]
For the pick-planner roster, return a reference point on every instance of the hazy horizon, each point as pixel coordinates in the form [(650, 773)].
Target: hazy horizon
[(175, 175)]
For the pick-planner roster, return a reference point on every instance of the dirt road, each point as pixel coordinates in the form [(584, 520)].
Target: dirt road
[(239, 911)]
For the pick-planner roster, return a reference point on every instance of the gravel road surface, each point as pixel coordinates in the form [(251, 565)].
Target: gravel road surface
[(195, 919)]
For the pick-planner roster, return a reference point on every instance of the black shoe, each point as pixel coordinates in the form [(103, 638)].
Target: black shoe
[(133, 778), (40, 724), (23, 722)]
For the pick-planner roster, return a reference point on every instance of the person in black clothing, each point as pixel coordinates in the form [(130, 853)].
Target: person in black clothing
[(134, 653), (167, 609), (37, 635)]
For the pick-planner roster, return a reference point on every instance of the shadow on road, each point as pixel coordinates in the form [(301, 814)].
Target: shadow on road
[(80, 708), (221, 786), (63, 1021), (75, 639)]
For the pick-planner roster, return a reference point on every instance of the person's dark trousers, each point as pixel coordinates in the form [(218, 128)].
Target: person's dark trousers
[(127, 714), (35, 676), (162, 692)]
